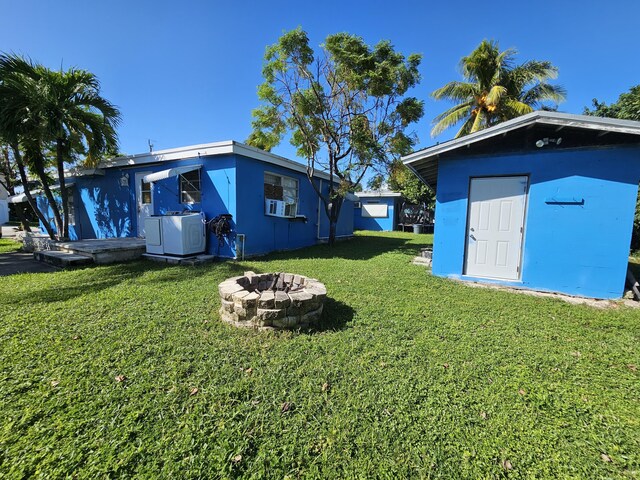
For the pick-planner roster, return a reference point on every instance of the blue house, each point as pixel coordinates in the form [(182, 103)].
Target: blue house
[(545, 201), (272, 204), (377, 210)]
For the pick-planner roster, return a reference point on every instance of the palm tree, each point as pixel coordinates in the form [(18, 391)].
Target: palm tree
[(495, 90), (57, 114), (80, 122)]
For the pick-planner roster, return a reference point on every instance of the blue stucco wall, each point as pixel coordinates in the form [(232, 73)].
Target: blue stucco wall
[(378, 224), (265, 233), (229, 184), (575, 249)]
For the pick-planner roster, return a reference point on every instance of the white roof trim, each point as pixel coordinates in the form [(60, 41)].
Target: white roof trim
[(171, 172), (205, 150), (377, 194), (22, 197), (539, 117)]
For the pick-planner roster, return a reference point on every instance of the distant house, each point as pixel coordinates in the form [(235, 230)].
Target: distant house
[(4, 205), (377, 210), (272, 204), (545, 201)]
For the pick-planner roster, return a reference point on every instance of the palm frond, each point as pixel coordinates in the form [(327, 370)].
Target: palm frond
[(450, 117)]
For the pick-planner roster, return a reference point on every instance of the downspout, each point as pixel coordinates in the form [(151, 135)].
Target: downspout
[(319, 207)]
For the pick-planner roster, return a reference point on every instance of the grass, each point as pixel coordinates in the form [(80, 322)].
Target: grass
[(409, 376), (8, 245)]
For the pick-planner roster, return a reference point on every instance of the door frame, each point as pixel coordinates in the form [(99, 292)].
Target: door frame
[(138, 189), (524, 225)]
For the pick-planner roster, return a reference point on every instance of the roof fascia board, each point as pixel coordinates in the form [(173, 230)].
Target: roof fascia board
[(205, 150), (542, 118), (377, 194)]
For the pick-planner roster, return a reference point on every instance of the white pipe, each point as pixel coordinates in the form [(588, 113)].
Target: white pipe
[(244, 239), (319, 212)]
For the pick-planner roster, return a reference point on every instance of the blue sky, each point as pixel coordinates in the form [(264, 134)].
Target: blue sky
[(186, 72)]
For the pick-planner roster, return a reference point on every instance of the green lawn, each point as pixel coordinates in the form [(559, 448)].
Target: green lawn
[(7, 245), (409, 376)]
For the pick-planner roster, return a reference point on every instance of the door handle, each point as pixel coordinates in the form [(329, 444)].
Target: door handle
[(471, 236)]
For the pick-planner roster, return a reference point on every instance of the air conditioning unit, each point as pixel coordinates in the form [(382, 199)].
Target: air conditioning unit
[(357, 204), (274, 207), (290, 210)]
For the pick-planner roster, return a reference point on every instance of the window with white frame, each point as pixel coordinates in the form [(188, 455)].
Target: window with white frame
[(190, 191), (280, 195)]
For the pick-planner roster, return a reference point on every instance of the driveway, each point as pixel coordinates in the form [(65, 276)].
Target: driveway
[(20, 262)]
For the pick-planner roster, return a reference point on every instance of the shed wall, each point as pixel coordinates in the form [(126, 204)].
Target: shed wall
[(579, 249), (387, 223)]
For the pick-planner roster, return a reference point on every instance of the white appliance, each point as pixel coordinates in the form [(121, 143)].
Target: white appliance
[(153, 235), (181, 234)]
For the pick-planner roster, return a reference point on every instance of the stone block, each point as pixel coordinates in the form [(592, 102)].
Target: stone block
[(267, 299), (227, 306), (250, 301), (299, 298), (282, 300), (280, 323), (312, 316), (227, 292), (292, 321), (240, 312), (270, 314), (297, 279), (319, 294), (239, 295), (288, 278)]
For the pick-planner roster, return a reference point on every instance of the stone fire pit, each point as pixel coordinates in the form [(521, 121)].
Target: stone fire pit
[(271, 300)]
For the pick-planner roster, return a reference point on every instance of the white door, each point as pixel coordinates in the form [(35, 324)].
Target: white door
[(495, 227), (144, 199)]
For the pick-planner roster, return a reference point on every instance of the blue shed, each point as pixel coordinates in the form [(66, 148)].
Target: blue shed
[(377, 210), (272, 203), (545, 201)]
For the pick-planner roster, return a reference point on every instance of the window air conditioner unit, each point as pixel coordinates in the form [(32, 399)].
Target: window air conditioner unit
[(290, 210), (274, 207)]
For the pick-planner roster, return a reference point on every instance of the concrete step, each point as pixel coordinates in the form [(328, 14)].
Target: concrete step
[(421, 261), (62, 259)]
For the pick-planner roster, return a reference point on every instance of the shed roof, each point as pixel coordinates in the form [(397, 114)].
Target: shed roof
[(377, 193), (583, 130)]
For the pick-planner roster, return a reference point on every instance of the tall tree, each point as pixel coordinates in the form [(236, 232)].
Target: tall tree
[(56, 114), (345, 108), (627, 107), (494, 89)]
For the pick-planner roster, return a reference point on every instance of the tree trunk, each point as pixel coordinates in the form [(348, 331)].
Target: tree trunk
[(30, 199), (50, 199), (10, 186), (334, 214), (63, 191)]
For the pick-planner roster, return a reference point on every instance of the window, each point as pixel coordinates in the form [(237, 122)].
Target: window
[(145, 192), (280, 195), (190, 187), (71, 206)]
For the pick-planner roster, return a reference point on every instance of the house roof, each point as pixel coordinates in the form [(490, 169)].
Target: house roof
[(425, 162), (377, 193), (196, 151)]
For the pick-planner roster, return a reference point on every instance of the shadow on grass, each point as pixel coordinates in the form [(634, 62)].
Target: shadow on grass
[(335, 316), (362, 247), (94, 279)]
